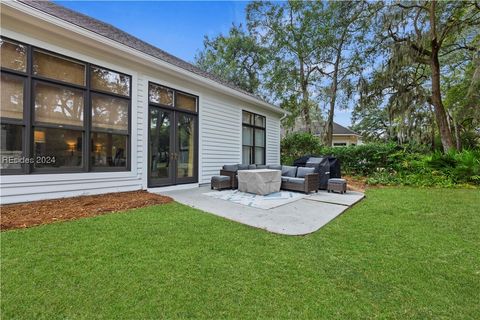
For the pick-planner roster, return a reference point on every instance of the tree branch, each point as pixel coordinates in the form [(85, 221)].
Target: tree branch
[(420, 49), (459, 47), (403, 6)]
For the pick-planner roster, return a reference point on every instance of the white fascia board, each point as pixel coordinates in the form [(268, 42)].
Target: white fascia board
[(24, 12), (345, 134)]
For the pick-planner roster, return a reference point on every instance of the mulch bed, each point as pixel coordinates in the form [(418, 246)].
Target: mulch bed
[(356, 184), (24, 215)]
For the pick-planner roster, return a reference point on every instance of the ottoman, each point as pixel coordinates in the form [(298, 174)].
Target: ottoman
[(220, 182), (338, 185)]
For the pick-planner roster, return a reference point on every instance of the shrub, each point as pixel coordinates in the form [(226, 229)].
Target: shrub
[(391, 164), (298, 144), (364, 159)]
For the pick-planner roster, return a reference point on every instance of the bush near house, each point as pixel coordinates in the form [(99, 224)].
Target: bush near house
[(296, 145), (390, 163)]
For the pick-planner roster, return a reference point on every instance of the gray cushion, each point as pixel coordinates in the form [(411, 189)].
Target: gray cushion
[(243, 167), (220, 178), (261, 166), (230, 167), (275, 167), (289, 171), (337, 181), (302, 172), (296, 180), (252, 166), (285, 179)]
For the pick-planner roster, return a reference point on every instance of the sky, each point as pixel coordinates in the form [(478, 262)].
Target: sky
[(177, 27)]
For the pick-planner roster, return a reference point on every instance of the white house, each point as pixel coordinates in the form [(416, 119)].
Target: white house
[(87, 108), (341, 136)]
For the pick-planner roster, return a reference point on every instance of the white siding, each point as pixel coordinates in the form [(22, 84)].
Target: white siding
[(273, 140), (220, 135)]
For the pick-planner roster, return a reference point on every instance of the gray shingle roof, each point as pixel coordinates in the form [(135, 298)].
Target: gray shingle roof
[(338, 129), (113, 33)]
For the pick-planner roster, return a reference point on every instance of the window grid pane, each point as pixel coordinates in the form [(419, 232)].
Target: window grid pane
[(260, 137), (59, 148), (247, 134), (246, 117), (110, 81), (247, 155), (11, 97), (259, 121), (110, 113), (108, 150), (54, 67), (259, 155), (11, 146), (160, 95), (186, 102), (58, 105), (13, 55)]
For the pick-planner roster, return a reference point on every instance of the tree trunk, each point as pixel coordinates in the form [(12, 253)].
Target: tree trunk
[(331, 112), (432, 120), (306, 109), (333, 93), (458, 140), (439, 109), (305, 105)]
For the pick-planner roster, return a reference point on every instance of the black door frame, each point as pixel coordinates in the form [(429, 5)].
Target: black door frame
[(194, 178), (173, 152), (158, 182)]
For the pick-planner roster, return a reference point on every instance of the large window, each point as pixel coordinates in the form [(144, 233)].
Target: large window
[(61, 115), (253, 137)]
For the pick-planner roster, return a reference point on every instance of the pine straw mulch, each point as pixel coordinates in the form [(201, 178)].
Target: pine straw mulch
[(24, 215), (355, 183)]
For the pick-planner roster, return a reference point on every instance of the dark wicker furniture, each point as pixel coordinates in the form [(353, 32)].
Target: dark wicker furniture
[(337, 185), (233, 177), (221, 182), (306, 185), (293, 178)]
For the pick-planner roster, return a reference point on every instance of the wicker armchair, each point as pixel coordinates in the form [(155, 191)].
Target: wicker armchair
[(309, 184), (233, 177)]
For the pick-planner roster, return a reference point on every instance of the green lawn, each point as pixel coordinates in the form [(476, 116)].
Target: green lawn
[(400, 253)]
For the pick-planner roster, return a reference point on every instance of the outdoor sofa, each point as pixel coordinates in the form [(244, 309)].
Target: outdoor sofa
[(293, 178)]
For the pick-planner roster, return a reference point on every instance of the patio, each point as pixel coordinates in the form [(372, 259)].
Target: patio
[(304, 215)]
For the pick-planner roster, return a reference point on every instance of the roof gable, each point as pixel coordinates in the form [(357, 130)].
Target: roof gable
[(338, 129)]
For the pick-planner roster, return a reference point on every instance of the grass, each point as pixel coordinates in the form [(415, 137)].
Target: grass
[(401, 253)]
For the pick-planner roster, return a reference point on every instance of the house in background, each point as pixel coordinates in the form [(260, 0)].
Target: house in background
[(342, 136), (87, 109)]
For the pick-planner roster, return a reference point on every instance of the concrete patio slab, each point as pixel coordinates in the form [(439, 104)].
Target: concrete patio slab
[(347, 199), (296, 218)]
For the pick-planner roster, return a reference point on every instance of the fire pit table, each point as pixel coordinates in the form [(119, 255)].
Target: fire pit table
[(259, 181)]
